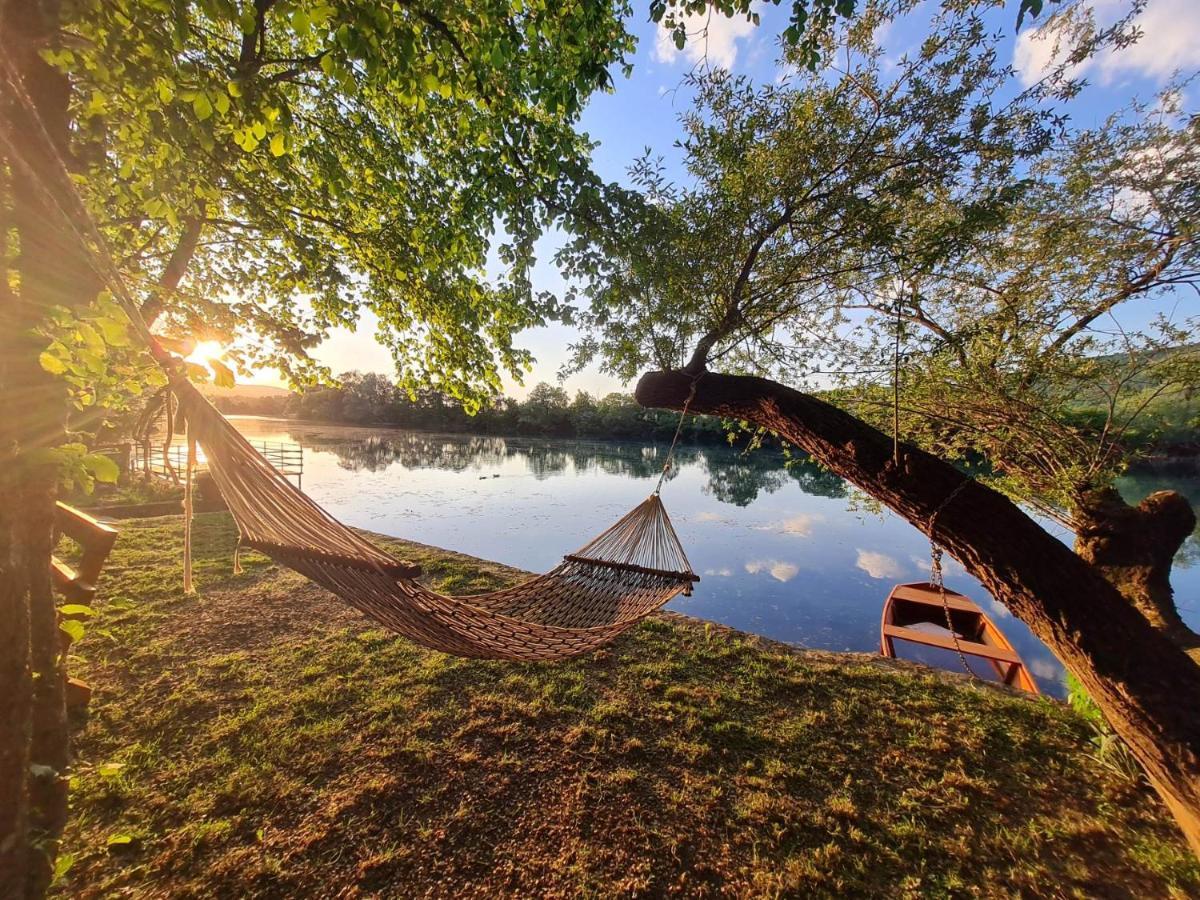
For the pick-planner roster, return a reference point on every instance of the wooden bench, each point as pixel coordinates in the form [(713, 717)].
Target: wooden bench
[(78, 583)]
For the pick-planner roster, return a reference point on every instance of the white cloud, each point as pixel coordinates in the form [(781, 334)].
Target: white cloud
[(800, 525), (780, 571), (999, 610), (950, 566), (711, 37), (723, 572), (879, 565), (1169, 42), (1045, 669)]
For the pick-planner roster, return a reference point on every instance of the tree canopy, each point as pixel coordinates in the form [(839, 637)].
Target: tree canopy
[(278, 168), (826, 218)]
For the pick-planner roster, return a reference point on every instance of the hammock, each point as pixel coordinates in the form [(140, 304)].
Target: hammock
[(594, 595)]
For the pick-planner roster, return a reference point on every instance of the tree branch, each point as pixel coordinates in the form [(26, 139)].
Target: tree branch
[(172, 274), (1146, 686)]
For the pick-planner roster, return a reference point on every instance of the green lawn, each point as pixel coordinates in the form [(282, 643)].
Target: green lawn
[(261, 739)]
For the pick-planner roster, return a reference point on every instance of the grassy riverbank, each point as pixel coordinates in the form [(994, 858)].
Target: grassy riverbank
[(261, 739)]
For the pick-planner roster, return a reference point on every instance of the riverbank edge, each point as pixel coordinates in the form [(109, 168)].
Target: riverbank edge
[(166, 510)]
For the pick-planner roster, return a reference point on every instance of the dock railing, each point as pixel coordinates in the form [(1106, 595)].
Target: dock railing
[(286, 457)]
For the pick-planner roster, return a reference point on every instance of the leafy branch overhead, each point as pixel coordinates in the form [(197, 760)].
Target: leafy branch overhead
[(282, 167), (829, 217), (809, 21)]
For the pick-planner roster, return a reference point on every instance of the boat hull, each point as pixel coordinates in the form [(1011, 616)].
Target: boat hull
[(917, 612)]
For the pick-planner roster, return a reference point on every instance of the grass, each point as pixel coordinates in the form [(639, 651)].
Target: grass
[(262, 740)]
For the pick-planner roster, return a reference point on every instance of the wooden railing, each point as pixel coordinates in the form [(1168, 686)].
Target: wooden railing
[(286, 457)]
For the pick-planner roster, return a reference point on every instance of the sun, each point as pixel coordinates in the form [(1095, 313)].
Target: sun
[(206, 351)]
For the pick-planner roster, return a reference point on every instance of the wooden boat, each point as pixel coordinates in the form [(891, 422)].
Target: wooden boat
[(914, 612)]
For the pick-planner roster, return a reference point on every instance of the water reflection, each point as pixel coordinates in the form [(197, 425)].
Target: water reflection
[(879, 565), (734, 477)]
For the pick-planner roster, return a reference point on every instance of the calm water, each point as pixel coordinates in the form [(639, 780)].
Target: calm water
[(796, 555)]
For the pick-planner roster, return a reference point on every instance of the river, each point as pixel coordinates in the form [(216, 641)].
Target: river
[(794, 554)]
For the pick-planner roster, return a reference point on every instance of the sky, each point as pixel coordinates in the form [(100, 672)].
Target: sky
[(643, 113)]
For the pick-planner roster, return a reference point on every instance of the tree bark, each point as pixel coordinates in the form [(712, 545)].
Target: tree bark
[(1148, 689), (16, 699), (53, 271), (176, 266), (1133, 547)]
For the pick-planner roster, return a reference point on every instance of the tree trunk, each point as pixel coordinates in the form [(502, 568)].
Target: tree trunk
[(1133, 547), (16, 697), (52, 271), (1148, 689)]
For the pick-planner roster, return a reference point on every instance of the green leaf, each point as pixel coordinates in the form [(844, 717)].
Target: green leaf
[(76, 609), (102, 468), (116, 333), (119, 840), (278, 144), (223, 375), (202, 106), (62, 865), (109, 769), (73, 628), (51, 363), (222, 102), (91, 338), (196, 372)]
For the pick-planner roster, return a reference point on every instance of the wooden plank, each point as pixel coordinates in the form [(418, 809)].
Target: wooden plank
[(79, 526), (932, 598), (70, 583), (78, 694), (946, 642)]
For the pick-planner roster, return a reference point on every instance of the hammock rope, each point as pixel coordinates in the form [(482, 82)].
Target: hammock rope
[(593, 596)]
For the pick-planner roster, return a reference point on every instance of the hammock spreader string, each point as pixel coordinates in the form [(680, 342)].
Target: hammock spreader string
[(100, 255)]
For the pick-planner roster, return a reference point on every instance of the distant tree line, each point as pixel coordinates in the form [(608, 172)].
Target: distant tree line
[(1168, 425), (548, 411)]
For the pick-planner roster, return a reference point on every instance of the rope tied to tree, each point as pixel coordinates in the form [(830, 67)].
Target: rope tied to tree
[(670, 460), (937, 576)]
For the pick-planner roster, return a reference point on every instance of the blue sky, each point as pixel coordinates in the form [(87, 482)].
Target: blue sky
[(644, 109)]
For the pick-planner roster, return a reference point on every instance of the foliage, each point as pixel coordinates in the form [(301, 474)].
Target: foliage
[(808, 20), (825, 219), (302, 162), (1109, 750), (548, 411)]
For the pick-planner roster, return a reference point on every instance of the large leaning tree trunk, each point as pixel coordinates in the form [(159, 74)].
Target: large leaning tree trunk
[(1148, 689), (50, 271), (1133, 547)]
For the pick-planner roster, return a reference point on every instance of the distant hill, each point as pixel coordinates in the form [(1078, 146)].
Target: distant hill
[(243, 391)]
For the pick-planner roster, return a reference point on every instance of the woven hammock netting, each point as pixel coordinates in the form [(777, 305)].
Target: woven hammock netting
[(594, 595)]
